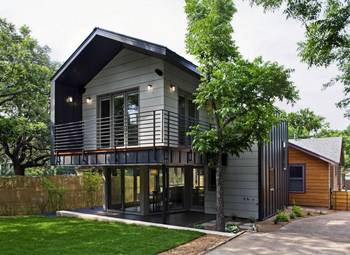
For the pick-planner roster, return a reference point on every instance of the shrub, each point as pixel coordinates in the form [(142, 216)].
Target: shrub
[(297, 211), (281, 217), (232, 228), (55, 194), (292, 216), (92, 182)]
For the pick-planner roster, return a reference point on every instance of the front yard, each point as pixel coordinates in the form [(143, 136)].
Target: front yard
[(58, 235)]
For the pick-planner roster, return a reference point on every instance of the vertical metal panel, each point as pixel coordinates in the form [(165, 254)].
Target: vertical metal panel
[(273, 190)]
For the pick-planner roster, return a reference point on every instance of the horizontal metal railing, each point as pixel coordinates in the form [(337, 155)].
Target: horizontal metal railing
[(151, 128)]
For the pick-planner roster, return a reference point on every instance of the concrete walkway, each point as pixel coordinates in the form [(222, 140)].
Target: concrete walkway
[(327, 234)]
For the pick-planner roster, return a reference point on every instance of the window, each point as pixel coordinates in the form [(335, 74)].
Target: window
[(296, 178), (211, 179)]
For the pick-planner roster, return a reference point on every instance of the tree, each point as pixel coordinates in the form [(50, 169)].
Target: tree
[(25, 71), (304, 123), (238, 95), (327, 38)]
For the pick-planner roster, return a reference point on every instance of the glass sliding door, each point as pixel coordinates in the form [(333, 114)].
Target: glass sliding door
[(119, 119), (155, 190), (132, 102), (176, 188), (198, 188), (104, 123), (116, 190), (132, 189)]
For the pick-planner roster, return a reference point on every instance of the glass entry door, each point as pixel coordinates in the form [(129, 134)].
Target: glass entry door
[(155, 190), (125, 189), (123, 129), (198, 188), (176, 188)]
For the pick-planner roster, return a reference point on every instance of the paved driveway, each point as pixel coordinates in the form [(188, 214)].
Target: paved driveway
[(327, 234)]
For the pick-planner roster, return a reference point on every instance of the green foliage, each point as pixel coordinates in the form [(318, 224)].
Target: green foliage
[(292, 216), (232, 228), (69, 236), (25, 71), (304, 123), (92, 182), (297, 211), (281, 216), (238, 95), (327, 38), (55, 200)]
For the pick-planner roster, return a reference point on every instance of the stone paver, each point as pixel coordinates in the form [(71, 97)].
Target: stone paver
[(321, 235)]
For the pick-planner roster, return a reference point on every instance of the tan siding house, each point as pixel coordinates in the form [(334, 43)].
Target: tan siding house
[(314, 170)]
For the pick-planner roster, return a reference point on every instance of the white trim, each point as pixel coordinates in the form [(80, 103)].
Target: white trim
[(142, 223)]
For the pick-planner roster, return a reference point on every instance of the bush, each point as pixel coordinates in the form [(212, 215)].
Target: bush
[(292, 216), (55, 195), (297, 211), (92, 182), (281, 217), (231, 228)]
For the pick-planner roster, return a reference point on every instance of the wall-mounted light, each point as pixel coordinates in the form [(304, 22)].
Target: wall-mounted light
[(69, 99), (149, 87), (88, 100), (172, 88)]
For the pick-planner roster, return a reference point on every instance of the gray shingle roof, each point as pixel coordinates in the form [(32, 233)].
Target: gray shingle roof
[(330, 148)]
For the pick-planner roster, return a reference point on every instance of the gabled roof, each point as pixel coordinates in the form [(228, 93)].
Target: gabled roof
[(101, 46), (329, 149)]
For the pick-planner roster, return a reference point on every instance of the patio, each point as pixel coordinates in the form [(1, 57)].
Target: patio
[(182, 219)]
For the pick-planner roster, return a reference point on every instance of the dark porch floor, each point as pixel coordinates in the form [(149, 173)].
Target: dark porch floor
[(183, 219)]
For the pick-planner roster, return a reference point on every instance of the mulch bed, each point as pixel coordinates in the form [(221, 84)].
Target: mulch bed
[(198, 246)]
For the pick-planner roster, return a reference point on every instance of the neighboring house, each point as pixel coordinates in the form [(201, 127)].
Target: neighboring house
[(347, 180), (124, 105), (314, 170)]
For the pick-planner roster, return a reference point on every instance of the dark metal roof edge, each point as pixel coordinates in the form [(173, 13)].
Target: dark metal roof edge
[(162, 51), (323, 158)]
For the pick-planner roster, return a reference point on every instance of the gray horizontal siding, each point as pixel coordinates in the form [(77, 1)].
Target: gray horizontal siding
[(128, 70), (241, 193)]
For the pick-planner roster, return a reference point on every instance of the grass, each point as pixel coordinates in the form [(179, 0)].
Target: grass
[(69, 236)]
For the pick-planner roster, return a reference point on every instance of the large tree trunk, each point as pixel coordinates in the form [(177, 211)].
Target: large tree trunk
[(220, 216), (19, 170)]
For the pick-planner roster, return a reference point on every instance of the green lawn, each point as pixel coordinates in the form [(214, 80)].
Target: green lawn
[(51, 235)]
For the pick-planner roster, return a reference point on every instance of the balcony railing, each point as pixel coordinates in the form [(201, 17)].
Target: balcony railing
[(144, 129)]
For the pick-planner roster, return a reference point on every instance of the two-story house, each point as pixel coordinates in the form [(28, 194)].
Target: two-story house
[(125, 105)]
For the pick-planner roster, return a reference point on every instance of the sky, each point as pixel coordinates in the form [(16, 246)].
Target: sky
[(64, 24)]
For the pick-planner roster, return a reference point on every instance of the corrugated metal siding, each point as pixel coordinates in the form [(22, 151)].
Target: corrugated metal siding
[(273, 183), (241, 195)]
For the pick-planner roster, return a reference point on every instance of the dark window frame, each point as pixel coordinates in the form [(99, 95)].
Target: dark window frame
[(297, 178), (211, 179)]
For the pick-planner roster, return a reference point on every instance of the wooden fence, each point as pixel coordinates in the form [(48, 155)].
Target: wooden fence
[(341, 200), (23, 195)]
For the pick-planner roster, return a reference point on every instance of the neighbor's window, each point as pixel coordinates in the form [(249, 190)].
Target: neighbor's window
[(296, 178), (211, 179)]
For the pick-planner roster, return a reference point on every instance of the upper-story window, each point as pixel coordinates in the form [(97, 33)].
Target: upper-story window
[(296, 178), (188, 115)]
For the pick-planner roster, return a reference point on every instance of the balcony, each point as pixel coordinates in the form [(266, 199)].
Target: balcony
[(146, 133)]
